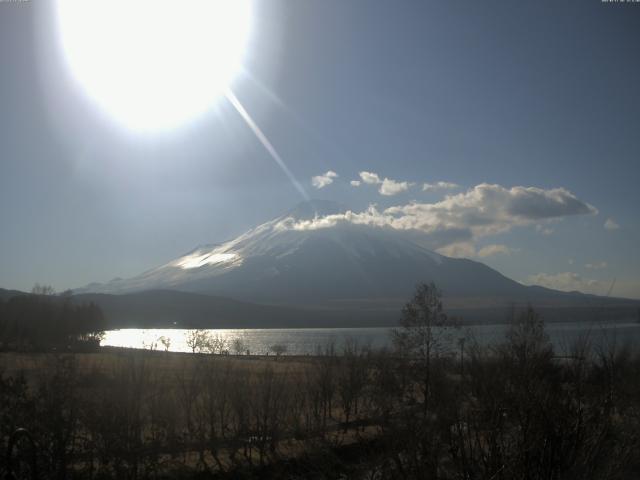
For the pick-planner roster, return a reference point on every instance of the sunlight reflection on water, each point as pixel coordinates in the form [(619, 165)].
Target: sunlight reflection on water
[(307, 341)]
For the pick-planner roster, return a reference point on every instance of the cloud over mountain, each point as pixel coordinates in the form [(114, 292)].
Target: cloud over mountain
[(387, 186), (483, 210), (321, 181), (494, 249), (489, 209)]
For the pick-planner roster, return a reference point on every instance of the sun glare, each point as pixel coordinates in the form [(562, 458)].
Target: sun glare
[(154, 64)]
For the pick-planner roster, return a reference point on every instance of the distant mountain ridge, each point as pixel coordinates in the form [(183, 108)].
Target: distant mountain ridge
[(174, 309)]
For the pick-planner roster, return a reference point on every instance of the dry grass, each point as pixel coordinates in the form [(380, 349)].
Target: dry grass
[(104, 362)]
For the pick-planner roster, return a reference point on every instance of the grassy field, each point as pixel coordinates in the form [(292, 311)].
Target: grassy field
[(110, 358)]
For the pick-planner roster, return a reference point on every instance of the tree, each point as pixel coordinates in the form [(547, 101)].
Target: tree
[(238, 346), (217, 344), (423, 334), (527, 343), (278, 349), (352, 378), (43, 320), (166, 342), (43, 290), (198, 340)]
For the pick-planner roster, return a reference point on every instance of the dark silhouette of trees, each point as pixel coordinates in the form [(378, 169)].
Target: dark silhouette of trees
[(43, 320), (424, 335), (352, 379)]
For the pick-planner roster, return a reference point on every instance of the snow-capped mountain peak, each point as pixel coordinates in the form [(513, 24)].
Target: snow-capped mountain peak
[(276, 262)]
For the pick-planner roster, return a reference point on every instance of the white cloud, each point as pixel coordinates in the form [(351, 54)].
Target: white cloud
[(494, 249), (596, 266), (458, 250), (611, 224), (566, 281), (490, 209), (321, 181), (387, 187), (370, 178), (370, 217), (427, 187), (481, 211), (467, 249), (355, 183), (391, 187)]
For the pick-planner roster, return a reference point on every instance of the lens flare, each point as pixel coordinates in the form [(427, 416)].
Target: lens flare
[(154, 64), (262, 138)]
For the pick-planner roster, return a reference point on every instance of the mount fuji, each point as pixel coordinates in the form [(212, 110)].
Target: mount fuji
[(344, 267)]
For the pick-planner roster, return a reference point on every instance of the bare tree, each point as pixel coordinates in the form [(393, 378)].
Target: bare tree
[(198, 340), (423, 334), (238, 346), (166, 342), (43, 290), (217, 344)]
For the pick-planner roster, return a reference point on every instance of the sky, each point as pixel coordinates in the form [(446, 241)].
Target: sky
[(510, 126)]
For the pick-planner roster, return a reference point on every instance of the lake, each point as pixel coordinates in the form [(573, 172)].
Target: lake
[(303, 341)]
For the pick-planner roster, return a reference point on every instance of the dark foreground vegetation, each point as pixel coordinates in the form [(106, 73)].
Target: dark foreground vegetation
[(425, 410), (42, 320)]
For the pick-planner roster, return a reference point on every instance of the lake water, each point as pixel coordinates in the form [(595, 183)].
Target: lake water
[(303, 341)]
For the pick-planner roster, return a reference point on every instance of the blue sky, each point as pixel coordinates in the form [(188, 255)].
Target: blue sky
[(522, 105)]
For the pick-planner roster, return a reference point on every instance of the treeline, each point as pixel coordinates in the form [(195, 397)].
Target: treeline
[(431, 408), (42, 320)]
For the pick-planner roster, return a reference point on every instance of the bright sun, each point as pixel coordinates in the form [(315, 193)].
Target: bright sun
[(154, 64)]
